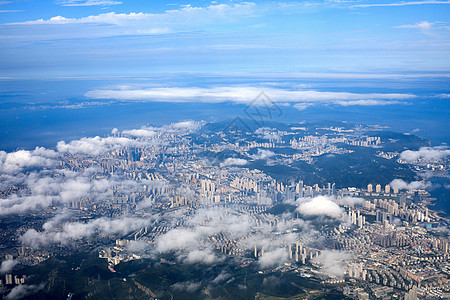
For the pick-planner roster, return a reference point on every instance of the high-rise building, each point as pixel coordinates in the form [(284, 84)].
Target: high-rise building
[(370, 188), (387, 189), (8, 279), (403, 200), (378, 188), (379, 216), (416, 197)]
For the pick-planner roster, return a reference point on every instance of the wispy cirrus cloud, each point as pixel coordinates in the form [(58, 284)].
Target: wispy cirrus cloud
[(423, 26), (402, 3), (87, 2)]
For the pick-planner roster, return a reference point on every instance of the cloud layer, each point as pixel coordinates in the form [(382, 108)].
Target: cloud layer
[(246, 94), (319, 206), (427, 154), (413, 185)]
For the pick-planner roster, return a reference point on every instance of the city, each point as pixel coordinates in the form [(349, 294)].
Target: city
[(190, 194)]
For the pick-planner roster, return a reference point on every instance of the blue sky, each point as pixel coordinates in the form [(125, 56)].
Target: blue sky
[(138, 38)]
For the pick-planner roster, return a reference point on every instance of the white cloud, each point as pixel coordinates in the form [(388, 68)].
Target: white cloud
[(136, 246), (142, 133), (95, 145), (319, 206), (204, 256), (424, 27), (187, 15), (414, 185), (333, 262), (234, 162), (263, 154), (246, 94), (188, 286), (427, 154), (7, 266), (273, 258), (23, 290), (177, 239), (351, 201), (73, 231), (302, 106), (403, 3), (367, 102), (87, 2), (16, 161)]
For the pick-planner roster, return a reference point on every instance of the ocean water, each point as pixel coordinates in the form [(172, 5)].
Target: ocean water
[(38, 112)]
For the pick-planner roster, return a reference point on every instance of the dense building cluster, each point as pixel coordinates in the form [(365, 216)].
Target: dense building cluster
[(193, 203)]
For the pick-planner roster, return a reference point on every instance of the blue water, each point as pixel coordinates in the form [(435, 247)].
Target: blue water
[(22, 126)]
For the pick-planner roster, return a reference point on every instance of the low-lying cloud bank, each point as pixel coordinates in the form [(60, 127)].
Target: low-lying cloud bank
[(413, 185), (333, 262), (68, 232), (246, 94), (319, 206), (233, 162), (427, 154), (47, 180)]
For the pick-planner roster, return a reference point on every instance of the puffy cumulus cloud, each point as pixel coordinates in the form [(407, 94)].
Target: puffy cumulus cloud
[(16, 161), (23, 290), (176, 128), (72, 231), (413, 185), (177, 239), (188, 286), (140, 23), (351, 201), (204, 256), (186, 125), (192, 243), (20, 204), (141, 133), (7, 266), (333, 263), (268, 134), (136, 246), (302, 106), (246, 94), (273, 258), (428, 154), (214, 220), (45, 189), (95, 145), (319, 206), (263, 154), (233, 162)]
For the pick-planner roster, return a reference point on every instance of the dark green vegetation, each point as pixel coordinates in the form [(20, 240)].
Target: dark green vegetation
[(87, 277), (357, 169)]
